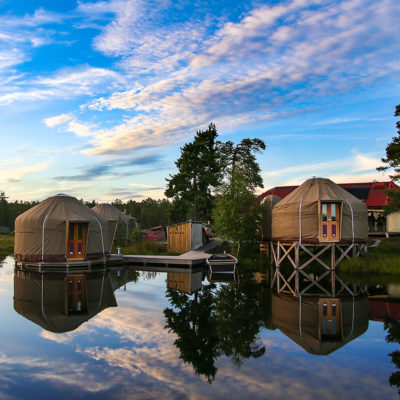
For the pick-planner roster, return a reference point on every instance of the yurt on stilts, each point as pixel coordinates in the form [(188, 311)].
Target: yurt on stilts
[(316, 218)]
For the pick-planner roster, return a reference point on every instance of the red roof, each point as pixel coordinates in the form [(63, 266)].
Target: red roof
[(371, 193)]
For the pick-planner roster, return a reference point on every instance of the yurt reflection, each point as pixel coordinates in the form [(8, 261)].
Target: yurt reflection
[(61, 302), (320, 325)]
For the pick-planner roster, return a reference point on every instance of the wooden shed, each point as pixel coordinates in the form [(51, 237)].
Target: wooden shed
[(185, 236)]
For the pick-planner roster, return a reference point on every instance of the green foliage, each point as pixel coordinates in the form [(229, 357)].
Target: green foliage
[(10, 211), (393, 201), (6, 245), (382, 259), (393, 336), (120, 234), (148, 212), (136, 236), (198, 175), (392, 160), (236, 217), (144, 247)]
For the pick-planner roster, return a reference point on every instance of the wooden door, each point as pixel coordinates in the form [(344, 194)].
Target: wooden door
[(76, 240), (329, 224), (329, 318), (76, 294)]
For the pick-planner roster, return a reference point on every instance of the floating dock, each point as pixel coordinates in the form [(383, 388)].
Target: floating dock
[(189, 259)]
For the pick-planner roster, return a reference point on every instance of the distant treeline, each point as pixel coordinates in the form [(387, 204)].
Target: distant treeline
[(148, 212), (10, 210)]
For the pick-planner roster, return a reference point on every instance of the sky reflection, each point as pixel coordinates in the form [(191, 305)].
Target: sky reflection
[(126, 352)]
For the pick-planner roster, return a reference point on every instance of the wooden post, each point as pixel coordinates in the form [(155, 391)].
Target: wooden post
[(278, 277), (333, 256)]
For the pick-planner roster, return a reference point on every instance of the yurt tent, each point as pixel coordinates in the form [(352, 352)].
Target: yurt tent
[(303, 321), (320, 211), (110, 212), (267, 204), (61, 229), (59, 302)]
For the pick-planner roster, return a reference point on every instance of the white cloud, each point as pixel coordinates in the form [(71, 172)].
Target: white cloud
[(276, 59), (15, 174), (57, 120)]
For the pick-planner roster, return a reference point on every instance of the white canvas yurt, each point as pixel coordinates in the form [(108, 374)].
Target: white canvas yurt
[(61, 229), (267, 204), (320, 211), (110, 212)]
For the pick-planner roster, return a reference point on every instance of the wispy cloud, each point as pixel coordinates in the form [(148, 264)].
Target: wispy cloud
[(13, 175), (276, 58), (356, 168)]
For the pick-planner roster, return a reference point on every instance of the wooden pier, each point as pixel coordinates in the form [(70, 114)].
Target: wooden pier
[(189, 259)]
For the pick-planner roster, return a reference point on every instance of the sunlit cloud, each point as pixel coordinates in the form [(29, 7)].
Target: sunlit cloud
[(13, 175), (274, 59)]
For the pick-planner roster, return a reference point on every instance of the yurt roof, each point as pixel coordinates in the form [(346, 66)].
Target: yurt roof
[(111, 212), (61, 207), (315, 189)]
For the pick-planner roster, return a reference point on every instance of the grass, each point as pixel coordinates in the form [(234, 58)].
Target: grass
[(145, 247), (382, 259), (6, 245)]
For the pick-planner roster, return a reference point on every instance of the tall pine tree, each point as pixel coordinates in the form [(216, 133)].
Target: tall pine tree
[(198, 175)]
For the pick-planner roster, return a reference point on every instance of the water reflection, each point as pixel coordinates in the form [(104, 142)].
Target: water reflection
[(60, 302), (217, 320), (320, 325)]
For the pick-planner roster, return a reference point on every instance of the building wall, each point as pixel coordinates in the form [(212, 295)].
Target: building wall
[(179, 237), (393, 222)]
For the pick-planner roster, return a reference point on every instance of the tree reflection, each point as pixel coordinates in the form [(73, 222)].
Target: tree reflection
[(238, 322), (393, 336), (215, 322), (194, 324)]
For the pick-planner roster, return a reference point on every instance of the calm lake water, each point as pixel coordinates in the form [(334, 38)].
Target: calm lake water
[(125, 335)]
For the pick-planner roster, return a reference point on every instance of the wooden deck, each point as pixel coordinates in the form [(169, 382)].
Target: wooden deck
[(190, 259)]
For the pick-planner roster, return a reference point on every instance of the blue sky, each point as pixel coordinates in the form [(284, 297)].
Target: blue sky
[(96, 98)]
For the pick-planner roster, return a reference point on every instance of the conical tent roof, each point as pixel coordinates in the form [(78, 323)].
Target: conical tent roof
[(112, 213), (297, 216), (298, 318), (41, 232), (41, 299)]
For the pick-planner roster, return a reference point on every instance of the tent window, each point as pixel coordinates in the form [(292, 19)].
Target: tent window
[(324, 212), (333, 211)]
